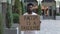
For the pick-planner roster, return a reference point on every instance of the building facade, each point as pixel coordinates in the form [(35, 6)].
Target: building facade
[(48, 9)]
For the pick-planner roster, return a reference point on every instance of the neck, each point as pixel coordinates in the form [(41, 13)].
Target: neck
[(29, 12)]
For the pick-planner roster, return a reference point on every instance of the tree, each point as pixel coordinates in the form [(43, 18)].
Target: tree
[(39, 9), (9, 16), (17, 7), (1, 24), (18, 10)]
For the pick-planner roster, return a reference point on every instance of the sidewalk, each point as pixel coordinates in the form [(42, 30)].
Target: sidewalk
[(47, 27), (50, 27), (57, 17)]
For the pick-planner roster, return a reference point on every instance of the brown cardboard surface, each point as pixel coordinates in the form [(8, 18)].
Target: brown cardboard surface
[(30, 22)]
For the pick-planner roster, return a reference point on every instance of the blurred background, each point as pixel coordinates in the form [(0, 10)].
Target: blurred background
[(10, 10)]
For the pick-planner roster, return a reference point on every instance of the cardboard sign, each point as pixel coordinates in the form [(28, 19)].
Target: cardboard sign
[(30, 22)]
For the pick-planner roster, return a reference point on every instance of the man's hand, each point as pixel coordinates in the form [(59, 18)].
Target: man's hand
[(40, 21)]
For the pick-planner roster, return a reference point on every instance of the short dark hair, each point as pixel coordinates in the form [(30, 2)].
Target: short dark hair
[(29, 4)]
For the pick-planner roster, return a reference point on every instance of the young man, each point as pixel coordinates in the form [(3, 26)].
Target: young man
[(29, 12), (30, 9)]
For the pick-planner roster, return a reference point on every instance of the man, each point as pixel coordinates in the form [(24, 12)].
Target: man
[(30, 9), (29, 12)]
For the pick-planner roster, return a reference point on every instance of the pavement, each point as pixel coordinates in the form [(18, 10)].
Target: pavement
[(57, 18), (10, 31), (50, 27), (46, 27)]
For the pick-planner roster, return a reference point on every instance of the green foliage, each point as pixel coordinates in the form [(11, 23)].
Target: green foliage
[(18, 10), (18, 7), (1, 24), (39, 9), (15, 18), (22, 8), (9, 15), (58, 14)]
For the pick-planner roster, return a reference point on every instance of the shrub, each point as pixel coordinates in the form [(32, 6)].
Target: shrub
[(1, 24), (15, 18), (58, 14)]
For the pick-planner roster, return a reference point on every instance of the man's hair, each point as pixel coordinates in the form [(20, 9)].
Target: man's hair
[(29, 4)]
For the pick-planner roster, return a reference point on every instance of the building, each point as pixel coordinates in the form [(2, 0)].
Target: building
[(3, 5), (59, 7), (49, 9)]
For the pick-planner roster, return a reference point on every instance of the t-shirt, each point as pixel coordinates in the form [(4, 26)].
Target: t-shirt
[(30, 14)]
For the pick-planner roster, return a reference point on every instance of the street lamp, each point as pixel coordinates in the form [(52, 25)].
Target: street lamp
[(20, 0), (57, 3), (39, 1)]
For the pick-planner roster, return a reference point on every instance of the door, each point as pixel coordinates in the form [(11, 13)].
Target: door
[(49, 13)]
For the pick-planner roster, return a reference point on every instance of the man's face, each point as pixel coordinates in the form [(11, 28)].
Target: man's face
[(30, 8)]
